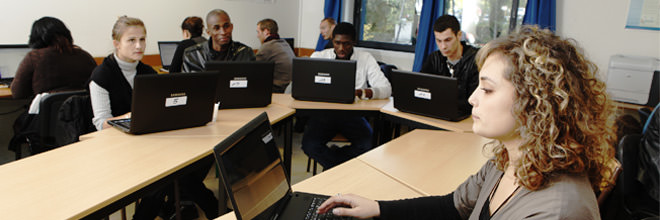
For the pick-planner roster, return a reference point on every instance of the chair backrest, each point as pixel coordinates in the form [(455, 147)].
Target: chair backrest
[(627, 154), (75, 116), (49, 128), (387, 69)]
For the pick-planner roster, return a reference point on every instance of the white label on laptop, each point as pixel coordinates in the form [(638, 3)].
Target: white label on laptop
[(323, 78), (267, 138), (238, 83), (422, 94), (176, 101)]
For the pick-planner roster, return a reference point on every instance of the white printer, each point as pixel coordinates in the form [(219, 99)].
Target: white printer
[(634, 79)]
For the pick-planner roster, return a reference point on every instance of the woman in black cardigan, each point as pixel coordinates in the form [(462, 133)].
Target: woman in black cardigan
[(111, 83)]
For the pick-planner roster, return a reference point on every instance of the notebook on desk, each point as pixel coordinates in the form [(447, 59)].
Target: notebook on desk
[(254, 176), (10, 58), (323, 80), (166, 50), (427, 94), (170, 101), (243, 84)]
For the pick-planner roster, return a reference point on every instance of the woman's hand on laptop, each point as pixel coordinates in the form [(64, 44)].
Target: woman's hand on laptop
[(350, 205), (106, 125)]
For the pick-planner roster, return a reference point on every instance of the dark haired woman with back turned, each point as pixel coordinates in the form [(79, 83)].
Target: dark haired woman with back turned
[(541, 101), (55, 63), (192, 28)]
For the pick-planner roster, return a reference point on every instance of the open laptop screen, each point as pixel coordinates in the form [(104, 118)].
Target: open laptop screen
[(324, 80), (243, 84), (252, 168), (10, 58), (166, 49)]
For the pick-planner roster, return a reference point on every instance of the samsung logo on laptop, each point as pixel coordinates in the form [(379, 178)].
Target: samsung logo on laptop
[(178, 94)]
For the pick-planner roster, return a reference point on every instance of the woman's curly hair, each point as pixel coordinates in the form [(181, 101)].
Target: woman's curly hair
[(564, 115)]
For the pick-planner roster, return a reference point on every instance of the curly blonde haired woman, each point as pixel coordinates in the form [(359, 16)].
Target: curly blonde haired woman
[(552, 122)]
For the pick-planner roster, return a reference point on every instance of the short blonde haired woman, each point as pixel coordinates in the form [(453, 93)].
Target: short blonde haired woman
[(111, 83)]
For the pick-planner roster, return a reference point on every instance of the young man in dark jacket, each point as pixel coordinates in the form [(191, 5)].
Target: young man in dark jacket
[(453, 58), (220, 45)]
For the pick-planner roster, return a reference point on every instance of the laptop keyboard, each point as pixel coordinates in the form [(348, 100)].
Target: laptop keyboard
[(124, 123), (312, 215)]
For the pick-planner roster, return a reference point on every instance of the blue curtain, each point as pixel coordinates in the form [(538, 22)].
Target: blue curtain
[(331, 9), (431, 10), (541, 13)]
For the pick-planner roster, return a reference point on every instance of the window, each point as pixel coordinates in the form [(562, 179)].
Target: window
[(387, 24), (485, 20), (392, 24)]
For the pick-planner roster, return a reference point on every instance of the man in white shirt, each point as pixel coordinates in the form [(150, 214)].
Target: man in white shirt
[(356, 129)]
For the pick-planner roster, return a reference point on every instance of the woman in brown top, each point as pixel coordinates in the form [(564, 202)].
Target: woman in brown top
[(54, 64), (541, 101)]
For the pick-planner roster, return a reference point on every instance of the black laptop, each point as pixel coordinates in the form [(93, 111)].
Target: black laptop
[(166, 50), (10, 58), (254, 176), (323, 80), (243, 84), (427, 94), (170, 101)]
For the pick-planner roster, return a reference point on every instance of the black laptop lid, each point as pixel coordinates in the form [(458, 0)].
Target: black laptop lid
[(243, 84), (426, 94), (251, 169), (172, 101), (10, 58), (166, 50), (325, 80)]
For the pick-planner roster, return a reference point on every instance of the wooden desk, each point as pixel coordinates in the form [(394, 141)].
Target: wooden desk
[(107, 167), (353, 176), (461, 126), (282, 99), (432, 162), (5, 92), (76, 180), (359, 105), (229, 120), (630, 106)]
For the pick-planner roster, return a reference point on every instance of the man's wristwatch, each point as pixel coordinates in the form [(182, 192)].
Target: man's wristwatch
[(364, 95)]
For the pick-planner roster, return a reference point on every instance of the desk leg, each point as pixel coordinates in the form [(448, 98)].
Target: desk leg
[(379, 131), (288, 148), (386, 131), (177, 200)]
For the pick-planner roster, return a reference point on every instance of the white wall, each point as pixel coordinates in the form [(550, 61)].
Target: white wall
[(599, 27), (311, 14), (90, 21)]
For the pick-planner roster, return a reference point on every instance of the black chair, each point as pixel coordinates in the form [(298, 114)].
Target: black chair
[(50, 128), (75, 116), (631, 201), (387, 70), (43, 132)]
